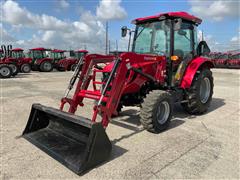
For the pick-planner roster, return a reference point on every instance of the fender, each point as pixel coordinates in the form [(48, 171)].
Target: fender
[(191, 70), (39, 61)]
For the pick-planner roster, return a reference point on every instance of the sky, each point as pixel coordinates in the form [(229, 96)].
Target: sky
[(78, 24)]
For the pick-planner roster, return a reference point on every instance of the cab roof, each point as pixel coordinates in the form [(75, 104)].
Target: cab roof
[(17, 49), (38, 49), (183, 15), (81, 51), (58, 51)]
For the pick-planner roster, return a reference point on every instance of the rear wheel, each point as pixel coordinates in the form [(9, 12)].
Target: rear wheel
[(46, 66), (14, 69), (199, 96), (25, 68), (156, 111), (5, 71)]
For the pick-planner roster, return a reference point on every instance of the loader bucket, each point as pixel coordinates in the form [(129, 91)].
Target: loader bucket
[(74, 141)]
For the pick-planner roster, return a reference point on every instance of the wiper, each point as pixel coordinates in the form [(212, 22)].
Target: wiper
[(140, 32)]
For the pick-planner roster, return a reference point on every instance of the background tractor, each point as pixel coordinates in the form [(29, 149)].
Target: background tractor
[(23, 63), (57, 55), (70, 63), (166, 65), (40, 60), (8, 61), (234, 61), (5, 69)]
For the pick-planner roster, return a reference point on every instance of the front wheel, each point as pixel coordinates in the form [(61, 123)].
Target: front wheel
[(46, 66), (156, 111), (5, 71), (199, 96), (26, 68)]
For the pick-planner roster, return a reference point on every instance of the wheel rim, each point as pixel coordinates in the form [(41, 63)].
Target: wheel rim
[(47, 66), (205, 88), (14, 68), (163, 112), (4, 71), (26, 68)]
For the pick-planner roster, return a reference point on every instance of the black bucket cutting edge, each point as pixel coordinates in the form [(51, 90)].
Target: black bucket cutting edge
[(74, 141)]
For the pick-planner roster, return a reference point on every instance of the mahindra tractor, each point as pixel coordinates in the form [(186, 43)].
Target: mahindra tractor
[(8, 64), (57, 55), (234, 61), (166, 65), (70, 63), (23, 63), (40, 59), (221, 60)]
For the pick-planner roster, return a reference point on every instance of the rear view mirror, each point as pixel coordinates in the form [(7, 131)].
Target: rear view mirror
[(177, 24), (124, 31)]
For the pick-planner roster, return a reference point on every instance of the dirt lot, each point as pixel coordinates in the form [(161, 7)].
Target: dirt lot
[(204, 146)]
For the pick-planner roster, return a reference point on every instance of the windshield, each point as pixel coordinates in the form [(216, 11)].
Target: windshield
[(17, 54), (37, 54), (236, 56), (57, 55), (78, 55), (152, 38)]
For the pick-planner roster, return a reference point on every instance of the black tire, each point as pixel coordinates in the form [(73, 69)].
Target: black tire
[(61, 69), (46, 66), (5, 71), (73, 67), (156, 111), (14, 69), (198, 102), (25, 68)]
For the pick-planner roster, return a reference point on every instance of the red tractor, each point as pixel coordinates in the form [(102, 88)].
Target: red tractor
[(23, 63), (68, 64), (40, 60), (234, 61), (166, 66), (8, 61), (5, 69), (57, 55), (221, 60)]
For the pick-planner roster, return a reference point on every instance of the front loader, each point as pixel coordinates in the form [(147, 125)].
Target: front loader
[(166, 65)]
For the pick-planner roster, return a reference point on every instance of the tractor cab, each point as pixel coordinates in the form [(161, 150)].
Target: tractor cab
[(79, 53), (57, 55), (40, 59), (172, 35)]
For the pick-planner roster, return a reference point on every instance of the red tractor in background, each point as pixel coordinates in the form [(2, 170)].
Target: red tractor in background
[(40, 60), (70, 63), (167, 65), (221, 60), (234, 61), (57, 55), (8, 61), (5, 69), (23, 63)]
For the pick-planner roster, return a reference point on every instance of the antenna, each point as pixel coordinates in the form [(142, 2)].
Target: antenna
[(202, 36), (109, 46), (106, 50), (117, 45)]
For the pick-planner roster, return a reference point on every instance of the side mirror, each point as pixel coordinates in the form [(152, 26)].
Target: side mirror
[(203, 49), (124, 31), (177, 24)]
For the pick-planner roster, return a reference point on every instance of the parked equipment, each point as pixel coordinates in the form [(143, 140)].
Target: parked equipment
[(234, 61), (69, 64), (6, 62), (57, 55), (40, 60), (163, 68)]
